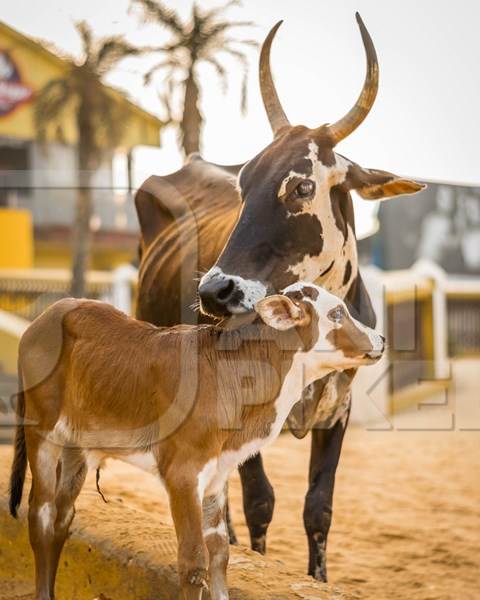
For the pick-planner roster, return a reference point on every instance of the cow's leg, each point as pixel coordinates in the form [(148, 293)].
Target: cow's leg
[(317, 515), (216, 538), (258, 501), (186, 507), (42, 512)]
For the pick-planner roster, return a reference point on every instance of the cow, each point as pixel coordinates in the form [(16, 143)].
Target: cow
[(239, 233), (98, 384)]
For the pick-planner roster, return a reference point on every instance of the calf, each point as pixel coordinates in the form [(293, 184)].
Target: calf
[(188, 403)]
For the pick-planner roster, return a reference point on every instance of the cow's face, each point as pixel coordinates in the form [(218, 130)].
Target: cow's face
[(297, 218), (296, 223)]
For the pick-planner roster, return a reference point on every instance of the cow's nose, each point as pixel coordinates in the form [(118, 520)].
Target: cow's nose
[(215, 294)]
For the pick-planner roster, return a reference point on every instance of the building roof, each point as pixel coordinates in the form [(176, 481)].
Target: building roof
[(37, 65)]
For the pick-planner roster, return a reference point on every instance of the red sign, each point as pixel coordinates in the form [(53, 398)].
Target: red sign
[(13, 91)]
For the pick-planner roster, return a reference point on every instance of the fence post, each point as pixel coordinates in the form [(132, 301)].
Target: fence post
[(122, 287), (429, 269)]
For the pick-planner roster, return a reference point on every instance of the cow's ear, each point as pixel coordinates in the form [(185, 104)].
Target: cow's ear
[(372, 184), (281, 313)]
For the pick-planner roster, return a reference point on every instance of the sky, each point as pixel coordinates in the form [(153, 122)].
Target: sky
[(425, 120)]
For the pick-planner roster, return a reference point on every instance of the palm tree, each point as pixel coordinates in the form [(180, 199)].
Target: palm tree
[(100, 121), (200, 39)]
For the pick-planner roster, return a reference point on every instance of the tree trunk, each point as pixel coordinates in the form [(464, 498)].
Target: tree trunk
[(81, 238), (192, 120), (81, 234)]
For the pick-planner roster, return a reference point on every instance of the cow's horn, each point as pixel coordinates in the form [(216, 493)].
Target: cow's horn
[(344, 127), (274, 109)]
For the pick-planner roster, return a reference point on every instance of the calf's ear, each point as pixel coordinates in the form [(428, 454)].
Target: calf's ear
[(282, 313), (373, 184)]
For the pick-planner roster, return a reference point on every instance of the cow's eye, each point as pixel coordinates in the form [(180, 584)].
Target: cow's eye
[(305, 188), (336, 314)]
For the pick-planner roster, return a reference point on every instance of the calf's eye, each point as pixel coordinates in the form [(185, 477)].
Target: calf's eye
[(305, 188), (336, 314)]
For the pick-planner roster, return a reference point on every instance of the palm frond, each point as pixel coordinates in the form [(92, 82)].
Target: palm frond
[(112, 50), (214, 30), (108, 120), (221, 72), (155, 11), (50, 103), (214, 13), (251, 43), (85, 32), (170, 62)]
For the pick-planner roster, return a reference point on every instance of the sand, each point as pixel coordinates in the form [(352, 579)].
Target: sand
[(406, 512)]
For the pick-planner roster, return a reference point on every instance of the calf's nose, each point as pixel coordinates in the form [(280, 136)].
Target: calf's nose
[(378, 348)]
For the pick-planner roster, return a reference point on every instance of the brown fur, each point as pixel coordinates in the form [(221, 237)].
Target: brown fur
[(96, 383)]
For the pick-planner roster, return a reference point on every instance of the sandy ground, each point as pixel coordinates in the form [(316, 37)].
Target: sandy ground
[(406, 515)]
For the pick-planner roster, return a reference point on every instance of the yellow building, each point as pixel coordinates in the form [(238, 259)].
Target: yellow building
[(38, 186)]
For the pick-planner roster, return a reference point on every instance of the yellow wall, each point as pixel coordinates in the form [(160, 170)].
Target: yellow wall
[(37, 67), (16, 238), (50, 255)]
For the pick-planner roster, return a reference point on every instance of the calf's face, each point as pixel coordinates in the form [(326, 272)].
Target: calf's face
[(341, 342)]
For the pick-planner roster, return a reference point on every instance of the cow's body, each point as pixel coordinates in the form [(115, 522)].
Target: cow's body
[(288, 216), (98, 384), (185, 219)]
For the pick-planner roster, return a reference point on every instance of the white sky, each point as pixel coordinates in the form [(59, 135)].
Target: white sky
[(425, 121)]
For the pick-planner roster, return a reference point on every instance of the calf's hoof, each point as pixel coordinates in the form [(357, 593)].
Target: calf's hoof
[(198, 577)]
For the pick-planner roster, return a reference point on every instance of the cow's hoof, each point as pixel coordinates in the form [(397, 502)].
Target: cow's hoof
[(259, 544)]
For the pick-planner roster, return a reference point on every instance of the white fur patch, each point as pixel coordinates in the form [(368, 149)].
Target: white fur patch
[(334, 248), (220, 530), (283, 186), (205, 478), (145, 461), (291, 390), (46, 517)]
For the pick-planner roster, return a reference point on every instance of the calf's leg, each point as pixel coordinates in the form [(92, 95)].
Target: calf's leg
[(42, 512), (186, 507), (73, 470), (317, 515), (258, 501), (216, 538)]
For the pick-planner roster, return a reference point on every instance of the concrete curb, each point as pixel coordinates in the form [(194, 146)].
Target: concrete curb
[(119, 553)]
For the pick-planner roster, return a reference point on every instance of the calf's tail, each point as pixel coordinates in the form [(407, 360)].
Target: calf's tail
[(19, 465)]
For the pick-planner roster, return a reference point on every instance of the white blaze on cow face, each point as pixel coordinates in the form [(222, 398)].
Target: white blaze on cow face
[(337, 251)]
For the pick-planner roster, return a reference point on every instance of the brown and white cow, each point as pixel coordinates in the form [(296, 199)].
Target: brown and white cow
[(287, 216), (99, 384)]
